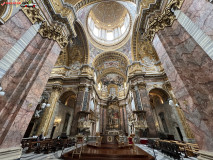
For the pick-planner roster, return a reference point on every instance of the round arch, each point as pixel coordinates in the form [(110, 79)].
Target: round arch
[(110, 55), (160, 93), (67, 97)]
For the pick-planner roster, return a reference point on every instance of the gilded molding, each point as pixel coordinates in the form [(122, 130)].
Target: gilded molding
[(33, 14), (83, 3), (54, 32), (163, 20), (57, 87), (48, 31), (135, 68), (86, 70), (59, 18), (81, 88), (141, 85)]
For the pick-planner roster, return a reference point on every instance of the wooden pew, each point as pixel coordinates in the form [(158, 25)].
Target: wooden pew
[(191, 150)]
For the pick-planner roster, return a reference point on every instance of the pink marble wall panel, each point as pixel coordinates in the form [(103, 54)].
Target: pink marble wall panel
[(190, 72), (24, 84), (12, 30), (201, 13)]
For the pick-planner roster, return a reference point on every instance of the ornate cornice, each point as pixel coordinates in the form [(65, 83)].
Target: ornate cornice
[(86, 70), (59, 18), (83, 3), (163, 20), (33, 14), (135, 68), (53, 32), (145, 13)]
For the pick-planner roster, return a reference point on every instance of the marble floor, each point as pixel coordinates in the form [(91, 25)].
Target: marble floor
[(159, 155), (56, 155), (41, 156)]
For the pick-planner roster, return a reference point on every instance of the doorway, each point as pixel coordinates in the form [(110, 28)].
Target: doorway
[(180, 134), (52, 132)]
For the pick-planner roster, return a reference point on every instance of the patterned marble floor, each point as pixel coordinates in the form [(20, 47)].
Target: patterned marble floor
[(56, 155)]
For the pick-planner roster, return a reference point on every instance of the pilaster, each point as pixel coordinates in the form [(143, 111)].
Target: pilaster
[(48, 113)]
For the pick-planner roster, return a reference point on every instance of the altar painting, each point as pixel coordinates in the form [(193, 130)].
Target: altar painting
[(113, 117)]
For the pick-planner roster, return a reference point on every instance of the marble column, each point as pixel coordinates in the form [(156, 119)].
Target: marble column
[(49, 111), (78, 108), (177, 118), (189, 69), (98, 112), (51, 124), (23, 84), (180, 117), (147, 107), (69, 124)]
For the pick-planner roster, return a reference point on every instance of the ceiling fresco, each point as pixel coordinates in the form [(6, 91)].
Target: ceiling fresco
[(112, 79), (95, 50)]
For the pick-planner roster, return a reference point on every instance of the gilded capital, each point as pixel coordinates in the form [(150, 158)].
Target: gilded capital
[(167, 85), (141, 85), (57, 87), (33, 14), (163, 20), (81, 88), (53, 32)]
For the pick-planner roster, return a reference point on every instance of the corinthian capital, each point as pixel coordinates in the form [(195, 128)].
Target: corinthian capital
[(54, 32), (163, 20), (33, 14), (57, 87)]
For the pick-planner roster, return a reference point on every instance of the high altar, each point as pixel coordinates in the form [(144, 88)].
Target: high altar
[(113, 122)]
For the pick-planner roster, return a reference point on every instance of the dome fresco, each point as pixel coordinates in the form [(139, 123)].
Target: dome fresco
[(108, 23)]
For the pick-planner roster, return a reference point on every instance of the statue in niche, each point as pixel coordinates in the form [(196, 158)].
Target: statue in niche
[(112, 94), (73, 68), (104, 87)]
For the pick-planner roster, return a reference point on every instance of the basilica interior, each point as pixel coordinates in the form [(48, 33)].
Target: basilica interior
[(104, 73)]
